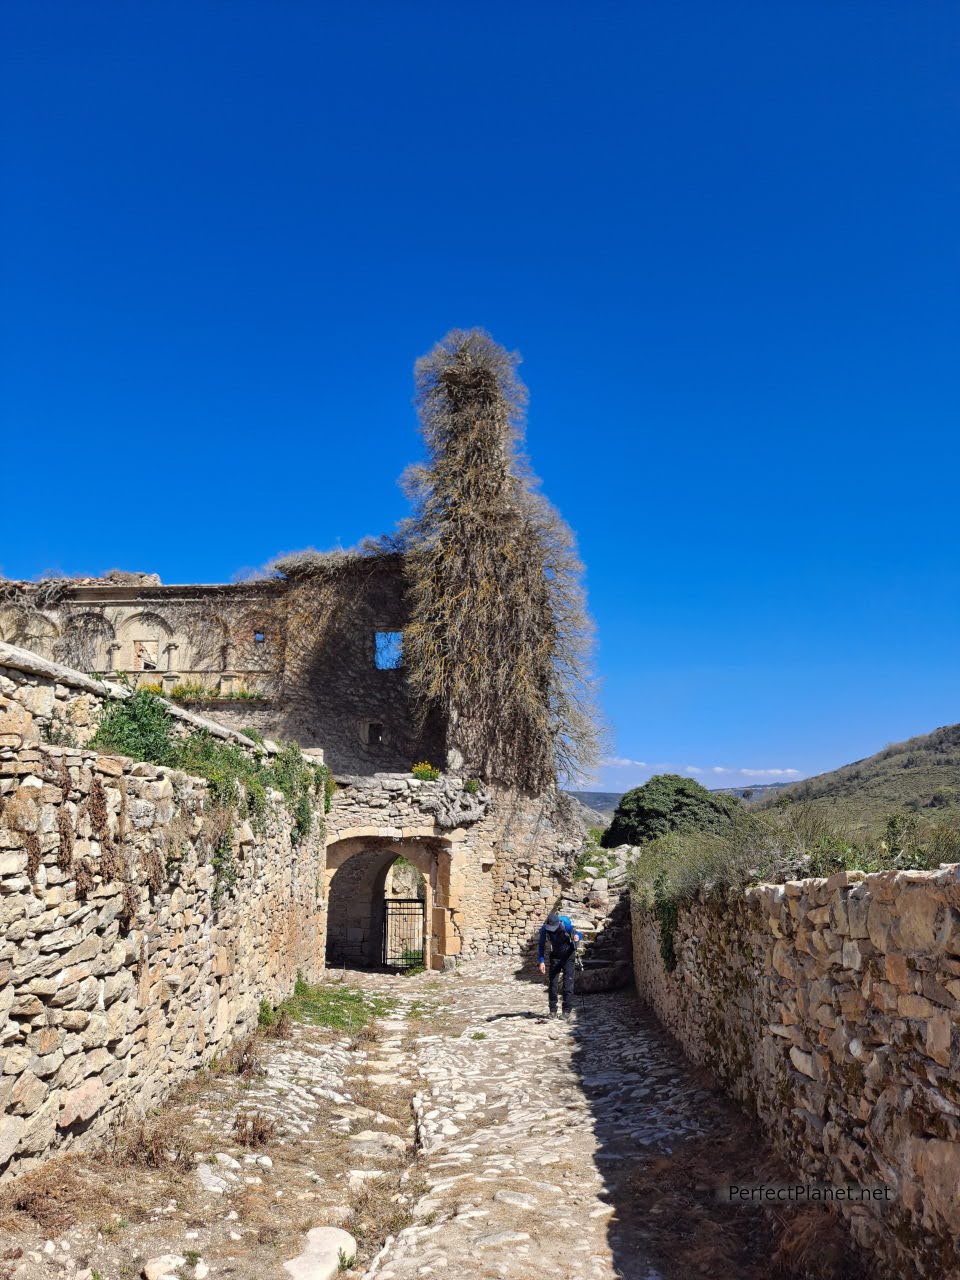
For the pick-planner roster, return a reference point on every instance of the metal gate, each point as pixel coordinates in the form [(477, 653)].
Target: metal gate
[(403, 932)]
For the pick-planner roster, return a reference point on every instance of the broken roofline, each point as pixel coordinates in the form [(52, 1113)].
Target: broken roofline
[(292, 568)]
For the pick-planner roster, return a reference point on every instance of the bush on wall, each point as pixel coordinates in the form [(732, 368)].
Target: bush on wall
[(238, 779)]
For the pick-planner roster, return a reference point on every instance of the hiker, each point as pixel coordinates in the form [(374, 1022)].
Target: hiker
[(563, 938)]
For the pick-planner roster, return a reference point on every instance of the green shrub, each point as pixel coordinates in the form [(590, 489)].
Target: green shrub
[(668, 802), (238, 781), (138, 727), (425, 771), (773, 846)]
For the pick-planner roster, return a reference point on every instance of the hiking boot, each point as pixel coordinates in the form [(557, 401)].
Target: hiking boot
[(555, 1013), (568, 1015)]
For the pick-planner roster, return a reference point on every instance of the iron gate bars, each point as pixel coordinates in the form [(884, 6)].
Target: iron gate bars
[(403, 933)]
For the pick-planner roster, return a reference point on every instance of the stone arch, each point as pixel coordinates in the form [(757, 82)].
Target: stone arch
[(208, 644), (87, 642), (356, 874), (28, 628), (143, 641)]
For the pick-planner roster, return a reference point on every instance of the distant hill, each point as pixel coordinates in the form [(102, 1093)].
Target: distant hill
[(756, 793), (602, 803), (921, 774)]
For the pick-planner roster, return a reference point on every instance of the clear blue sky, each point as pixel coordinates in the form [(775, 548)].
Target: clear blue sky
[(723, 235)]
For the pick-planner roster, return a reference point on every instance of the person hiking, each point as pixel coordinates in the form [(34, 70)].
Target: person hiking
[(563, 938)]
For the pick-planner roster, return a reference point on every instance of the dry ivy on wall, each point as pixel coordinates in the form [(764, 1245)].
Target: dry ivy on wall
[(498, 638)]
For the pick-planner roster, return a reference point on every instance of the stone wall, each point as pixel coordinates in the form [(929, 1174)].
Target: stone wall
[(830, 1008), (304, 645), (124, 964), (494, 862)]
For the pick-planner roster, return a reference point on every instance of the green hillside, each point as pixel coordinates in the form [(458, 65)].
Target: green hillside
[(920, 775)]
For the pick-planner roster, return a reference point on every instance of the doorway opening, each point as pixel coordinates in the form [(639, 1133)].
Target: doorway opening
[(378, 906)]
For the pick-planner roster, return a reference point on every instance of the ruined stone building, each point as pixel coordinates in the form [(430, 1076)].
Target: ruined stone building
[(315, 655)]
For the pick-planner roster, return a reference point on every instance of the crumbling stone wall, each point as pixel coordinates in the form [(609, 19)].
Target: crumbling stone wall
[(305, 646), (495, 861), (831, 1008), (123, 965)]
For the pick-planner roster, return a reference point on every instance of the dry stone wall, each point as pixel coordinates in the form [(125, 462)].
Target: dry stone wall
[(124, 964), (831, 1007)]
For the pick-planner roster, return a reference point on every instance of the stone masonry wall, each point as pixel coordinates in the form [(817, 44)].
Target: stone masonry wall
[(122, 967), (499, 859), (831, 1008)]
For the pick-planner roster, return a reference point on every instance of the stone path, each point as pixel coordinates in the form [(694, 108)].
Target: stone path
[(528, 1129), (463, 1129)]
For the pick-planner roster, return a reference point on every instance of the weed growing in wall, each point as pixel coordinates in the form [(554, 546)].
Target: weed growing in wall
[(425, 771), (238, 780), (138, 727), (593, 860)]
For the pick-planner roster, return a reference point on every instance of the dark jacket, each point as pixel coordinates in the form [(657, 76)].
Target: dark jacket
[(563, 939)]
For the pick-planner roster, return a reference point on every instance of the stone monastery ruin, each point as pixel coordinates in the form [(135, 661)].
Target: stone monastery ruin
[(129, 955)]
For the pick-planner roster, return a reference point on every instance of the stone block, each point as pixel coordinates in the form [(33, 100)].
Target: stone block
[(11, 1131), (937, 1041), (920, 919), (82, 1103)]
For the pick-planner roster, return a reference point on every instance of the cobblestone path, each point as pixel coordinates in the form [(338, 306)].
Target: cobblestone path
[(537, 1138), (459, 1131)]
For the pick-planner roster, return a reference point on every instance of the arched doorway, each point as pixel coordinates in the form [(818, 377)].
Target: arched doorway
[(379, 902), (404, 915)]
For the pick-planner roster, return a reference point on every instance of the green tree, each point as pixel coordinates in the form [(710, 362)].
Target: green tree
[(668, 802), (498, 641)]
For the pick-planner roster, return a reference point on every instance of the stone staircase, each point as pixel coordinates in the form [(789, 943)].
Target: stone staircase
[(599, 906)]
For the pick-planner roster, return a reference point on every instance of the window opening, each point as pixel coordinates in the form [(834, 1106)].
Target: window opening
[(388, 650)]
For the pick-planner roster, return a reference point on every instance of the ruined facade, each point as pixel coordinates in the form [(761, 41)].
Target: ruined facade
[(316, 657)]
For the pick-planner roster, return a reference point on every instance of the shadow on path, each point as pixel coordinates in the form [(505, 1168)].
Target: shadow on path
[(669, 1142)]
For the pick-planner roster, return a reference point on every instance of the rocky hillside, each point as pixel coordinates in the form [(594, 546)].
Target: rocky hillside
[(920, 775)]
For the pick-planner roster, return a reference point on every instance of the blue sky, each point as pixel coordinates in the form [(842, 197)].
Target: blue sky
[(724, 237)]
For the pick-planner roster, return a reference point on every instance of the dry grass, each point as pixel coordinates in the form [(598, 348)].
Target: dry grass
[(365, 1037), (389, 1102), (811, 1244), (162, 1141), (63, 1192), (384, 1207), (254, 1129), (669, 1208), (242, 1059), (280, 1028), (50, 1196)]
